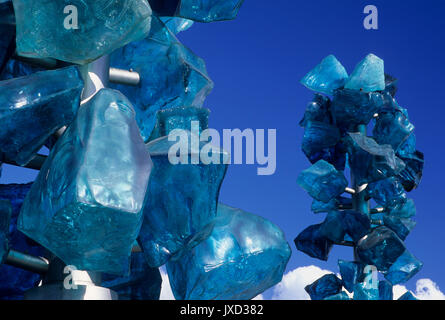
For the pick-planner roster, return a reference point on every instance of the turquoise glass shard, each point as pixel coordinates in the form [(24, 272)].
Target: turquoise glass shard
[(334, 204), (408, 296), (328, 76), (198, 10), (385, 290), (5, 220), (86, 204), (370, 161), (17, 69), (401, 226), (365, 291), (322, 181), (411, 176), (317, 110), (171, 75), (245, 255), (34, 107), (388, 193), (182, 198), (368, 76), (339, 296), (351, 273), (14, 281), (313, 243), (180, 118), (332, 227), (177, 25), (339, 223), (391, 85), (403, 210), (405, 267), (143, 282), (102, 26), (324, 287), (381, 248)]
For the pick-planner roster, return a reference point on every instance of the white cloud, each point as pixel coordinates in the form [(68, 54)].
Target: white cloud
[(398, 291), (426, 289), (293, 283)]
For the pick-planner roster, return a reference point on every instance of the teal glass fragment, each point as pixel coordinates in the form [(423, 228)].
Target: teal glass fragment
[(328, 76), (351, 273), (5, 220), (388, 193), (368, 75), (182, 198), (177, 25), (30, 110), (324, 287), (78, 31), (408, 296), (339, 296), (171, 75), (313, 243), (365, 291), (86, 203), (403, 269), (385, 290), (322, 181), (244, 255)]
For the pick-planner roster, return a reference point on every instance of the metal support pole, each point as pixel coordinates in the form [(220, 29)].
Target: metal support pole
[(27, 262)]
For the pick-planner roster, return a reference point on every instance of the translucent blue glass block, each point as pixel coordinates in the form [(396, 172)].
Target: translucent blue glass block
[(368, 75), (179, 118), (405, 267), (370, 161), (381, 248), (317, 110), (17, 69), (339, 296), (7, 30), (388, 193), (392, 128), (356, 224), (391, 85), (328, 76), (81, 33), (401, 226), (182, 199), (334, 204), (86, 204), (177, 25), (385, 290), (324, 287), (171, 75), (322, 181), (351, 108), (364, 291), (404, 210), (408, 296), (332, 227), (411, 176), (143, 282), (15, 281), (30, 110), (5, 220), (351, 273), (198, 10), (313, 243), (245, 255)]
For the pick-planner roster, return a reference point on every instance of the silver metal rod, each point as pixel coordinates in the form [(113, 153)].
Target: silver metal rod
[(350, 190), (36, 163), (120, 76), (377, 210), (27, 262)]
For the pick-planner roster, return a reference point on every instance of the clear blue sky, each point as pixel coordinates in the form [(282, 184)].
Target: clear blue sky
[(256, 63)]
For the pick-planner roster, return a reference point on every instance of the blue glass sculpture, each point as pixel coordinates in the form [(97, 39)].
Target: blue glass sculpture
[(182, 199), (244, 255), (86, 204), (328, 76), (383, 168), (171, 75), (177, 25), (78, 31), (324, 287), (31, 111), (198, 10)]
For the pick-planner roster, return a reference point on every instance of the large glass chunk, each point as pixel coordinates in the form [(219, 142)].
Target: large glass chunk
[(405, 267), (339, 296), (15, 281), (86, 204), (332, 227), (313, 243), (351, 273), (334, 204), (388, 192), (370, 161), (328, 76), (322, 181), (317, 110), (365, 291), (401, 226), (5, 220), (78, 31), (408, 296), (381, 248), (7, 31), (171, 75), (182, 198), (403, 210), (143, 282), (385, 290), (34, 107), (177, 25), (368, 75), (198, 10), (351, 108), (324, 287), (411, 176), (245, 255)]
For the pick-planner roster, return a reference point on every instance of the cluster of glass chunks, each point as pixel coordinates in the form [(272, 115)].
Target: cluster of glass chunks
[(383, 167), (107, 183)]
